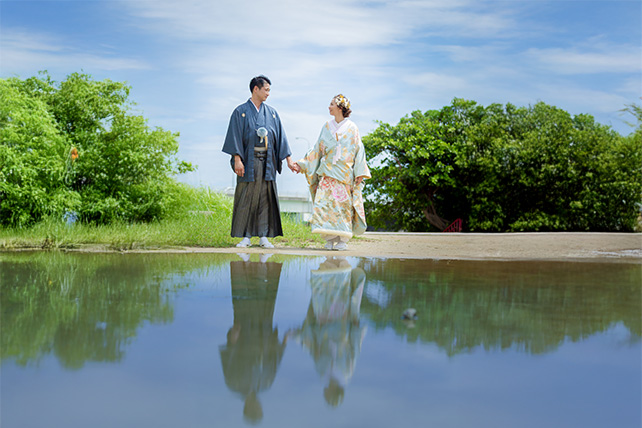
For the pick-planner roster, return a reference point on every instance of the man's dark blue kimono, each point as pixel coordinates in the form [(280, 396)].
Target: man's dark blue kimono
[(256, 207)]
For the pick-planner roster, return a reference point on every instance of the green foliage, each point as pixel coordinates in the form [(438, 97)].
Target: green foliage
[(33, 157), (503, 168), (75, 146), (198, 217), (417, 158)]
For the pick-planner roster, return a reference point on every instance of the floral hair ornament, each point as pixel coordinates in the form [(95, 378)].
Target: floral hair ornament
[(342, 101)]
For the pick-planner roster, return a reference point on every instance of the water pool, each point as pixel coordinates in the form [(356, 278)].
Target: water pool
[(202, 340)]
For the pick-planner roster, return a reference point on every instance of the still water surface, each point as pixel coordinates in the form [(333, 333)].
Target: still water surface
[(211, 340)]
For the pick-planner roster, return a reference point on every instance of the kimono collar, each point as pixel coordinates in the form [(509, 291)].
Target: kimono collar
[(335, 126), (254, 105)]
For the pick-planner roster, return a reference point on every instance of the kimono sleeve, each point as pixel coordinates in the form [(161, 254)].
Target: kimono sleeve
[(281, 139), (310, 164), (233, 144), (360, 166)]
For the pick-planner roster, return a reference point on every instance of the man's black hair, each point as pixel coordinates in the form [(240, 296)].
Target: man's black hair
[(259, 81)]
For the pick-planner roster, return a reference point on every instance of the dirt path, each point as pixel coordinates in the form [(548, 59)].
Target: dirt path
[(621, 247)]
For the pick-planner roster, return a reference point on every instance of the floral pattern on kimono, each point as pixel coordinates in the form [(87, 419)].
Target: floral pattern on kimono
[(331, 168)]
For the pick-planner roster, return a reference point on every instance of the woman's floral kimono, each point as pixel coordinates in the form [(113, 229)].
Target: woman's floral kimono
[(338, 157)]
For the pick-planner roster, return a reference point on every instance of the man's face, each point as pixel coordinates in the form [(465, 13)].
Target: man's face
[(263, 93)]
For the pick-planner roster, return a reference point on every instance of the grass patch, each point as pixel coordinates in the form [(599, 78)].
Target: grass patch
[(201, 219)]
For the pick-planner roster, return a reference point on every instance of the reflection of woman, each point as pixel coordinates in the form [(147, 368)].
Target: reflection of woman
[(252, 354), (335, 169), (331, 331)]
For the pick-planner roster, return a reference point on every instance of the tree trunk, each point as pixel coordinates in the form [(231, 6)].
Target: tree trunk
[(434, 219)]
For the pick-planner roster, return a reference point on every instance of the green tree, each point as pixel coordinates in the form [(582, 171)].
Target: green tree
[(34, 158), (503, 168), (109, 163), (416, 160)]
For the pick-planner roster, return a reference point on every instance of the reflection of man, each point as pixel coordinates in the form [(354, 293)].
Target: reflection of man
[(252, 354), (331, 331)]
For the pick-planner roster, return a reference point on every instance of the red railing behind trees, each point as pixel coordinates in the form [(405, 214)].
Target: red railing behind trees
[(455, 226)]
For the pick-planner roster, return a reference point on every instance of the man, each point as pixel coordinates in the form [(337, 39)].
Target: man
[(257, 144)]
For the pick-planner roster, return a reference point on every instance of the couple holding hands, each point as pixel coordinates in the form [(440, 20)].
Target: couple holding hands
[(335, 169)]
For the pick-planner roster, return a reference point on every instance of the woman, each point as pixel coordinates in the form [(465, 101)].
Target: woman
[(335, 169)]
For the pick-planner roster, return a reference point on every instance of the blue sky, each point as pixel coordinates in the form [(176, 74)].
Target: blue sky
[(189, 62)]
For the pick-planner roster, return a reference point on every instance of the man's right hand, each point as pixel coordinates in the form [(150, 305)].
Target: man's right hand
[(294, 167), (239, 168)]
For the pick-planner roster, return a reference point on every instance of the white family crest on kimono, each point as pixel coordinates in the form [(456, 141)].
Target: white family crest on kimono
[(331, 167)]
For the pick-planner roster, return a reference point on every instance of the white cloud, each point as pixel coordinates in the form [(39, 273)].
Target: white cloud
[(437, 85), (27, 40), (312, 50), (608, 59), (26, 50), (389, 57), (575, 98), (329, 24), (631, 85), (283, 24), (472, 53)]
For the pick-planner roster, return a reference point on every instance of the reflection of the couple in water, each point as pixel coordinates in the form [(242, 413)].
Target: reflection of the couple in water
[(331, 331)]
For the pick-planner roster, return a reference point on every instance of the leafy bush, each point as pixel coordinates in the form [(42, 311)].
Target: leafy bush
[(34, 160), (75, 146), (503, 168)]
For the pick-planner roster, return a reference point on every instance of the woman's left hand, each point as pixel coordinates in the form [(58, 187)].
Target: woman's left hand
[(358, 180)]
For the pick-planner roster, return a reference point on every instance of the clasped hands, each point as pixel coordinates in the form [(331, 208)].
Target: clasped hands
[(239, 168), (293, 165), (297, 169)]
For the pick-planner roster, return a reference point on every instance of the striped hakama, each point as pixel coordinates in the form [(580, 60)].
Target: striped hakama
[(256, 206)]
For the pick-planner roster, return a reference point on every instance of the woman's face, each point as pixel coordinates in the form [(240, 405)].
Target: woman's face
[(334, 109)]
